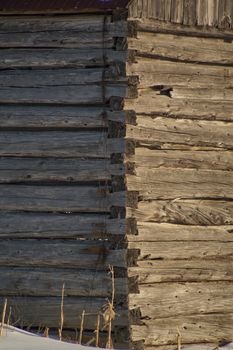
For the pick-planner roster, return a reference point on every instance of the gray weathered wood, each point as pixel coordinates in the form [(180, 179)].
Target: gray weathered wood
[(50, 169), (166, 133), (176, 299), (216, 160), (187, 212), (82, 254), (68, 94), (168, 183), (196, 270), (17, 116), (42, 311), (194, 329), (59, 198), (59, 58), (93, 144), (64, 226), (48, 282)]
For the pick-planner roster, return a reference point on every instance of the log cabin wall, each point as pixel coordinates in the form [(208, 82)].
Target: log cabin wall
[(62, 195), (181, 172)]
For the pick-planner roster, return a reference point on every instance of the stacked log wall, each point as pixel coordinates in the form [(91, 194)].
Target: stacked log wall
[(62, 199), (181, 173)]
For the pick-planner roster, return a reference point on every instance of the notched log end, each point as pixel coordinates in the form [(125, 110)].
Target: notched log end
[(135, 316), (131, 117), (116, 129), (132, 199), (117, 158), (118, 183), (116, 103), (130, 168), (137, 345), (117, 212), (132, 257), (133, 285), (130, 147), (131, 226), (132, 28)]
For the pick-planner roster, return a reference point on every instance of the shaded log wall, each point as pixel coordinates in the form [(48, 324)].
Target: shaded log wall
[(182, 174), (62, 198)]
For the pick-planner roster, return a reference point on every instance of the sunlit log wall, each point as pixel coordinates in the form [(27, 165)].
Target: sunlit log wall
[(182, 174)]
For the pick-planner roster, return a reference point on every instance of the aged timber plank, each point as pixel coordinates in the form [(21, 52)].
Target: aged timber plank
[(64, 226), (59, 58), (185, 212), (168, 133), (59, 198), (154, 72), (14, 170), (176, 299), (183, 250), (151, 103), (49, 117), (93, 144), (48, 282), (42, 311), (169, 183), (195, 270), (182, 49), (216, 160), (195, 329), (95, 254), (163, 232), (68, 94)]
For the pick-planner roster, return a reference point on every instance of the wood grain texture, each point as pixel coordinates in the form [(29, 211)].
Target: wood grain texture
[(48, 282), (54, 117), (168, 183), (196, 270), (42, 311), (59, 198), (82, 254), (63, 226), (93, 144), (16, 170), (192, 159), (186, 212), (59, 57), (166, 133), (183, 299), (195, 329)]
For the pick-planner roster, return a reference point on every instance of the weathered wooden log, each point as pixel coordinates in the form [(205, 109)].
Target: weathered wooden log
[(95, 254), (193, 159), (54, 117), (185, 212), (195, 270), (92, 144), (45, 312), (59, 57), (183, 183), (167, 133), (183, 250), (63, 226), (46, 282), (183, 299), (195, 329), (182, 49), (149, 102), (14, 170), (59, 198)]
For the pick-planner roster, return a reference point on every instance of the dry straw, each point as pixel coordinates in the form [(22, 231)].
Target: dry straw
[(62, 312), (81, 327), (3, 317)]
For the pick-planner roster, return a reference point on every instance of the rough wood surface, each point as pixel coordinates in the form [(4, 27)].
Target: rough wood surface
[(45, 312), (53, 117), (59, 58), (193, 159), (59, 198), (64, 226), (58, 253), (48, 282), (167, 133), (93, 144), (194, 329), (191, 49), (168, 183), (183, 299), (185, 212), (13, 170), (196, 270)]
